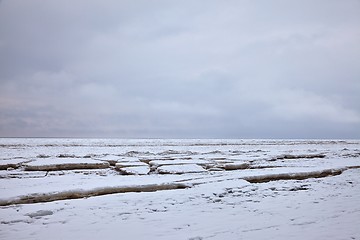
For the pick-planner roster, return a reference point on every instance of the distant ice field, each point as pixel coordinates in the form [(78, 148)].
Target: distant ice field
[(179, 188)]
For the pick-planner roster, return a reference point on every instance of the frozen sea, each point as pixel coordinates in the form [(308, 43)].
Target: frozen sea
[(179, 189)]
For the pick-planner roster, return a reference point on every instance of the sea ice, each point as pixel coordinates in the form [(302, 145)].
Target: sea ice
[(310, 190)]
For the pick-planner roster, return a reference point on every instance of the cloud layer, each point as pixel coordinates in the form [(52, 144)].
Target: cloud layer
[(195, 69)]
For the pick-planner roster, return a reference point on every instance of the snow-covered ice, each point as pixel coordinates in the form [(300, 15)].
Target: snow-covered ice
[(134, 170), (179, 189), (53, 164), (180, 169), (12, 163)]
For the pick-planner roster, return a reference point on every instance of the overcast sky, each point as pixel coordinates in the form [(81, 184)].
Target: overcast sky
[(180, 69)]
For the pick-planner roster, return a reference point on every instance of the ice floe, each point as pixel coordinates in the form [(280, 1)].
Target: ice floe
[(235, 166), (157, 163), (130, 164), (180, 169), (134, 170), (55, 164)]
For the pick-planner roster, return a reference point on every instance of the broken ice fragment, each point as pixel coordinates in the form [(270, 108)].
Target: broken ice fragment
[(139, 170), (180, 169), (55, 164)]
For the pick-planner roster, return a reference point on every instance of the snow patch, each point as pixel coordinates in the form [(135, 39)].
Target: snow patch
[(40, 213)]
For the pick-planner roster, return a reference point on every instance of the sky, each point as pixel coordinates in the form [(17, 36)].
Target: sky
[(180, 69)]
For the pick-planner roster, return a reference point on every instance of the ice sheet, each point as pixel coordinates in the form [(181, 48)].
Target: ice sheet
[(281, 189)]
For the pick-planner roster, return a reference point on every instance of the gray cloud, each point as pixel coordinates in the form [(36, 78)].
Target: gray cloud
[(239, 69)]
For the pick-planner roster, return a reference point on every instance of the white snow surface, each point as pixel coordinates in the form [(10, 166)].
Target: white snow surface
[(280, 189)]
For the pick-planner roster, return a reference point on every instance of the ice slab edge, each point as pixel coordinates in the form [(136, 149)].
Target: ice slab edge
[(294, 176), (80, 193)]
